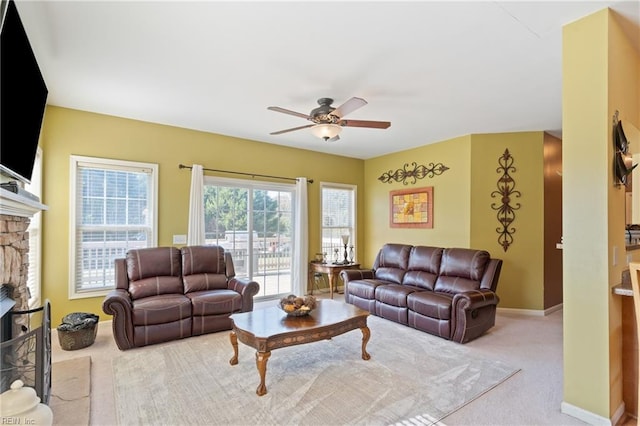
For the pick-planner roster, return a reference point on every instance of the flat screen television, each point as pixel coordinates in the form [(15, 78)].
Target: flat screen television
[(23, 94)]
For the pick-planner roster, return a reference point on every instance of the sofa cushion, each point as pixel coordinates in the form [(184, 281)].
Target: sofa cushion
[(203, 259), (161, 309), (154, 271), (155, 286), (165, 332), (394, 294), (153, 262), (203, 282), (423, 267), (365, 289), (215, 302), (461, 270), (437, 327), (203, 268), (394, 313), (430, 304), (391, 262)]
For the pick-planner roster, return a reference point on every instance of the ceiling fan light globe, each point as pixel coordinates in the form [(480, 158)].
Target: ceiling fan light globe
[(326, 131)]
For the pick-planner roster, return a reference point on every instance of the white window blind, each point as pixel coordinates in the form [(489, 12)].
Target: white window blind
[(113, 210), (338, 206)]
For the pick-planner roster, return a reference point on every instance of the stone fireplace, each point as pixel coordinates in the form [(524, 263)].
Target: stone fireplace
[(25, 338), (14, 258)]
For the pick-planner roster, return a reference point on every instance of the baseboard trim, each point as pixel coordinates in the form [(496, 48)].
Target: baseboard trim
[(619, 414), (531, 312), (592, 418), (553, 309)]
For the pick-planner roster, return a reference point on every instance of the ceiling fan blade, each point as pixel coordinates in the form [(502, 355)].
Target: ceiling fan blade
[(287, 111), (365, 123), (348, 107), (279, 132)]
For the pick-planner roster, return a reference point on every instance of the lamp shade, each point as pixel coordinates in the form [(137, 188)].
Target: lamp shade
[(326, 131)]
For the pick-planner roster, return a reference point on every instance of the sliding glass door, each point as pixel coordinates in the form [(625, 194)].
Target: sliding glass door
[(254, 222)]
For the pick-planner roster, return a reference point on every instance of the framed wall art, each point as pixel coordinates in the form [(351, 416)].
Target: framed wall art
[(411, 208)]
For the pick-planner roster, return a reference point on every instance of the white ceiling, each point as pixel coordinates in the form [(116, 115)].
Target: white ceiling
[(435, 70)]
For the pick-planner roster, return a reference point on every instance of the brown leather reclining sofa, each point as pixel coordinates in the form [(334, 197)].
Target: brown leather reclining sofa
[(167, 293), (448, 292)]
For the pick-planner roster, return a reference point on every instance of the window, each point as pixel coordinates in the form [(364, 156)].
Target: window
[(338, 206), (113, 209), (254, 222), (34, 230)]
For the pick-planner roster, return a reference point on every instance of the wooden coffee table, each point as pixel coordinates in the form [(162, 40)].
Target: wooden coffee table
[(270, 328)]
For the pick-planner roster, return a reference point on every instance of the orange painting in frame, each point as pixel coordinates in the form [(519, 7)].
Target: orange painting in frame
[(411, 208)]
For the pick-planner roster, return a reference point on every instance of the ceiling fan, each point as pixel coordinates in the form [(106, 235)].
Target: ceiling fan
[(328, 121)]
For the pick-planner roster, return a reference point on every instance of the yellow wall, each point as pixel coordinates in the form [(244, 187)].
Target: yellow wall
[(450, 192), (601, 75), (68, 132), (463, 216), (522, 278)]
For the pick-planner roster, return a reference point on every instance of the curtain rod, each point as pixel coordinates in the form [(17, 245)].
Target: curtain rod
[(182, 166)]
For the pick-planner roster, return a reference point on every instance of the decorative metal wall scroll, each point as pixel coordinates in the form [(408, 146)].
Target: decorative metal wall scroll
[(418, 172), (622, 160), (506, 212)]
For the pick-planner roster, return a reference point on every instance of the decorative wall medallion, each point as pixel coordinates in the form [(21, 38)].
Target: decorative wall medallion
[(506, 212), (622, 166), (418, 172)]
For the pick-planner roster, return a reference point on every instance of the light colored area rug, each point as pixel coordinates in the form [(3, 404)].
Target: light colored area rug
[(70, 399), (411, 376)]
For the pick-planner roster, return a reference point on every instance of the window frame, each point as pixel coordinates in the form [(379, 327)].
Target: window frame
[(76, 162), (354, 226), (251, 186)]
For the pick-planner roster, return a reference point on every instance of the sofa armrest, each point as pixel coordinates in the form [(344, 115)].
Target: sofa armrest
[(356, 274), (491, 275), (352, 275), (473, 313), (118, 304), (475, 299), (247, 289)]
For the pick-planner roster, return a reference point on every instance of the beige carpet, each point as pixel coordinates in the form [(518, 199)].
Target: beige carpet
[(411, 375), (70, 391)]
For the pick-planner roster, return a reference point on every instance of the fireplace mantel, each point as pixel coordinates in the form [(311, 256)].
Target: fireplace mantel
[(18, 205)]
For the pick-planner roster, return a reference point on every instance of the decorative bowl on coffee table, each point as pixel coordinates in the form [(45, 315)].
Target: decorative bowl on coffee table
[(295, 306)]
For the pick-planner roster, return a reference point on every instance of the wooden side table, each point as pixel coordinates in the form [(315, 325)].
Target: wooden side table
[(332, 270)]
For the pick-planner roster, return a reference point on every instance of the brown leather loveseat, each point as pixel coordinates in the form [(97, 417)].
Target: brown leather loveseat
[(448, 292), (167, 293)]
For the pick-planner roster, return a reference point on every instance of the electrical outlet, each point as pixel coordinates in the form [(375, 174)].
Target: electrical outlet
[(179, 239)]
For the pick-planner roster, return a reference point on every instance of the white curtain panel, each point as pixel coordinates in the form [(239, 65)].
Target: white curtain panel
[(195, 235), (301, 243)]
